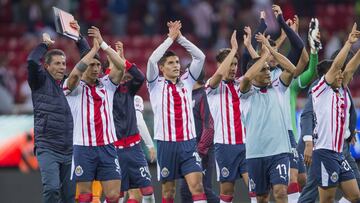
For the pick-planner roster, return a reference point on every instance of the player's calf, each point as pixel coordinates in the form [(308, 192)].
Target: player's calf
[(280, 193)]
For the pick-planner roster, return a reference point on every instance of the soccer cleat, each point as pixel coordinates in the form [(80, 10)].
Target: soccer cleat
[(314, 41)]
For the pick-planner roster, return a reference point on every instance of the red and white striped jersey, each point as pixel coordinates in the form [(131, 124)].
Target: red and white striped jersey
[(224, 103), (92, 110), (331, 109), (171, 104)]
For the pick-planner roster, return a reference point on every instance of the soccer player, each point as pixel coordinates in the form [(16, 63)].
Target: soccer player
[(267, 141), (223, 95), (91, 102), (331, 105), (204, 126), (53, 123), (170, 98), (134, 167)]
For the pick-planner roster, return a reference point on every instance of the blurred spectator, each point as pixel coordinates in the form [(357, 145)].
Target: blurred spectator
[(332, 45), (202, 15), (119, 14)]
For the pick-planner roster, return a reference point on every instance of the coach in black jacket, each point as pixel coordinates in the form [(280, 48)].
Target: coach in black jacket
[(53, 123)]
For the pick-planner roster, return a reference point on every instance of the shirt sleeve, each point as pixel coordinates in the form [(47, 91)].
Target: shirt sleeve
[(320, 88), (144, 132), (138, 103), (152, 71), (210, 90), (109, 85), (279, 85), (198, 57), (68, 92)]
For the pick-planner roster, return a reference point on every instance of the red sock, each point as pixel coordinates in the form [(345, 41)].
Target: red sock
[(146, 191), (132, 201), (167, 200), (252, 194), (199, 197), (226, 198), (83, 198), (293, 188)]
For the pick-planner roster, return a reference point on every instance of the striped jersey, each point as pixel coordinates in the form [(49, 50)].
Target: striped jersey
[(92, 110), (224, 102), (171, 104), (331, 108)]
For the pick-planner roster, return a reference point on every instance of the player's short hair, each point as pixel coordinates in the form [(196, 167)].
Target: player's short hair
[(165, 56), (323, 67), (51, 53), (222, 54)]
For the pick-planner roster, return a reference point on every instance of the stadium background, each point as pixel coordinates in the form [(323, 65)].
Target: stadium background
[(141, 26)]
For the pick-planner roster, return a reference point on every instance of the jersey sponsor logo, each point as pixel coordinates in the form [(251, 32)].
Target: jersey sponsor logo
[(225, 172), (165, 172), (78, 170), (334, 177)]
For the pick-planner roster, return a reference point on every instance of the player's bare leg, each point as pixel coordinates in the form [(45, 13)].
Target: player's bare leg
[(85, 191), (111, 190), (194, 181), (135, 194), (327, 194), (245, 177), (226, 191), (280, 193), (168, 191), (351, 190), (263, 198)]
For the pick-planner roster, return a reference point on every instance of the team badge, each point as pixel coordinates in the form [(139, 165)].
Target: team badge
[(225, 172), (78, 171), (165, 172), (334, 177), (252, 184)]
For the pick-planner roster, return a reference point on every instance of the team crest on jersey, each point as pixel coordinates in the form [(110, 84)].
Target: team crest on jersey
[(252, 184), (225, 172), (334, 177), (78, 171), (165, 172)]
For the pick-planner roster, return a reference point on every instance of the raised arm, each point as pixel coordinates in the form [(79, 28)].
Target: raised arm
[(247, 43), (81, 66), (224, 67), (246, 55), (152, 71), (287, 75), (82, 44), (198, 57), (138, 76), (116, 73), (339, 60), (250, 74), (34, 61)]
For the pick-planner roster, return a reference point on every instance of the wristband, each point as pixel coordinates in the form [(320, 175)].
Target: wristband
[(104, 46)]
